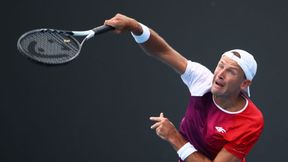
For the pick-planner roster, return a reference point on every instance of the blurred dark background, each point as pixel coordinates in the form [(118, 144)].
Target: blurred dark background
[(97, 107)]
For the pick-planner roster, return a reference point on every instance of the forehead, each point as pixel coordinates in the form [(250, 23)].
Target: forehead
[(229, 62)]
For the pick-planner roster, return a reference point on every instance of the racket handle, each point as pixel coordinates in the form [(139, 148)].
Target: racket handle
[(102, 29)]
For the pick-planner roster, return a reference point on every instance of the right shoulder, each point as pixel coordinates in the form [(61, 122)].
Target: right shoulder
[(198, 78)]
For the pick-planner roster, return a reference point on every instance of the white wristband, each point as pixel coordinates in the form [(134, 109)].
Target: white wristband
[(144, 36), (186, 150)]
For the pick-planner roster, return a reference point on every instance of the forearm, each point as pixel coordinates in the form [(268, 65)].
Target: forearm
[(150, 41), (178, 141), (158, 48), (167, 131)]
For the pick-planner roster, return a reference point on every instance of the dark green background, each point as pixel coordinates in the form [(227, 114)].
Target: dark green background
[(97, 107)]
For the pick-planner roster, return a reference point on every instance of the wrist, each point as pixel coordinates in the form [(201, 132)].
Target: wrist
[(145, 34), (186, 150), (176, 140), (136, 28)]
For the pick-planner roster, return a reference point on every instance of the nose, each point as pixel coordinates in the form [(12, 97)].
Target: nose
[(221, 74)]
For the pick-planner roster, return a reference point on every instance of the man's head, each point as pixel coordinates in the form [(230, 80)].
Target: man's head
[(234, 73)]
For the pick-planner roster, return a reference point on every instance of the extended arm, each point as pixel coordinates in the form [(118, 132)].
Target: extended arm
[(155, 46)]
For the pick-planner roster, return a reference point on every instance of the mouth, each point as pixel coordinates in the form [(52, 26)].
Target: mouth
[(219, 84)]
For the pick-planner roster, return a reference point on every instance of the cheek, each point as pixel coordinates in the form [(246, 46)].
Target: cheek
[(235, 84), (215, 71)]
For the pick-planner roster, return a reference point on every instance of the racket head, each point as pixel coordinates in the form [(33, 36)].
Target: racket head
[(49, 46)]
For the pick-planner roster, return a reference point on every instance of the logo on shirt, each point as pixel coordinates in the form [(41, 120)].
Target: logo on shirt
[(220, 129)]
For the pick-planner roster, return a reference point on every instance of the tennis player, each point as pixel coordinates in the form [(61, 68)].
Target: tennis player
[(221, 123)]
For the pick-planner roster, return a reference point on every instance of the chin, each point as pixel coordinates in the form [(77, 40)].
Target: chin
[(216, 93)]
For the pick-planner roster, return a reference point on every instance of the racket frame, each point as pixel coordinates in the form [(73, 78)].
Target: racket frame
[(87, 33)]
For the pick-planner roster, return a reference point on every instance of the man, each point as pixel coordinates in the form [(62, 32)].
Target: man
[(221, 123)]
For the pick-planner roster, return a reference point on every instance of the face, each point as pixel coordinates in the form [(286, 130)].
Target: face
[(228, 79)]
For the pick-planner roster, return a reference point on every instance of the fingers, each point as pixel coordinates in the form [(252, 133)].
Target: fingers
[(116, 21), (161, 116), (111, 22), (158, 120), (156, 125), (163, 127), (122, 23)]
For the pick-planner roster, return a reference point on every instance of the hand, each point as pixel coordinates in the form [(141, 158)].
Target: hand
[(163, 127), (122, 23)]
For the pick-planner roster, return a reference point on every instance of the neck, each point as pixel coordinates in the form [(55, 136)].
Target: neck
[(231, 103)]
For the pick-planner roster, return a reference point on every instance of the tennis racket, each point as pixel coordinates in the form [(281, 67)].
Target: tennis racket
[(52, 46)]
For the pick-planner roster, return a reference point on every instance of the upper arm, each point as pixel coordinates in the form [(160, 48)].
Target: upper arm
[(226, 156), (198, 78), (175, 60)]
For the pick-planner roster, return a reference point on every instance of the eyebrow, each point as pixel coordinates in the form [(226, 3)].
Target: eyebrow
[(236, 68)]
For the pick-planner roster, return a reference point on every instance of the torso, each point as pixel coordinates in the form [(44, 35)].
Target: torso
[(209, 127)]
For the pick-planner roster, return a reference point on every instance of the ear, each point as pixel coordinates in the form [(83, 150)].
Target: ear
[(245, 84)]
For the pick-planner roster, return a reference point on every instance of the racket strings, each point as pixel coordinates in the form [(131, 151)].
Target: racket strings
[(65, 41), (49, 46)]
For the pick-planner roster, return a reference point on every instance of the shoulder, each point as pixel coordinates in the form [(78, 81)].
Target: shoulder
[(245, 132), (253, 112), (198, 78), (195, 68), (250, 121)]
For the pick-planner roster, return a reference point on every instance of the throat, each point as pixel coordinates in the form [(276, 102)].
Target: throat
[(230, 104)]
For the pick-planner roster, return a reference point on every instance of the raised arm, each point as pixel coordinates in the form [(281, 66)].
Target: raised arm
[(155, 46)]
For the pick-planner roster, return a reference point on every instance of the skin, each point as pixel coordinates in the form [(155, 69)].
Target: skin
[(227, 84)]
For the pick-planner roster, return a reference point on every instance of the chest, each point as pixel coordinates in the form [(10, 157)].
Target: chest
[(207, 125)]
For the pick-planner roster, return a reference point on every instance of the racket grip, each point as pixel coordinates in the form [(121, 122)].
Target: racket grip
[(102, 29)]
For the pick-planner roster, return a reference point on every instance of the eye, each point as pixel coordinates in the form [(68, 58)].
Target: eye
[(232, 71), (221, 66)]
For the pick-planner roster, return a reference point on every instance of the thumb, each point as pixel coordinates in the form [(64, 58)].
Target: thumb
[(161, 115)]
